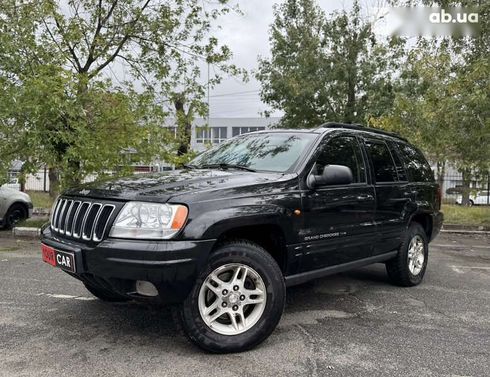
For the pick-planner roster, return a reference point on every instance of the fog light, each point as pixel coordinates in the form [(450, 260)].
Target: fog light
[(145, 288)]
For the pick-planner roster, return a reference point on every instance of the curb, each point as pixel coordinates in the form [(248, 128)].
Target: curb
[(463, 231), (39, 211), (460, 227), (26, 232)]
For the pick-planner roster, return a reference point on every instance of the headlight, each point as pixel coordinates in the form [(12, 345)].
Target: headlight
[(149, 220)]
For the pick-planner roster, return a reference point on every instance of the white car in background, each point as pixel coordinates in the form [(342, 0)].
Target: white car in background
[(480, 198), (13, 184), (15, 206)]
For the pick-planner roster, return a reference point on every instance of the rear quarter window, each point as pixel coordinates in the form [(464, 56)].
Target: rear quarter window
[(417, 167), (400, 168)]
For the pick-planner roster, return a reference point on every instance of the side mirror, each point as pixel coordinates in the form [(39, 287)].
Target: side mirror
[(332, 175)]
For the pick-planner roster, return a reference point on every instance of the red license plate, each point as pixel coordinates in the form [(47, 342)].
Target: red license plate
[(48, 254), (57, 258)]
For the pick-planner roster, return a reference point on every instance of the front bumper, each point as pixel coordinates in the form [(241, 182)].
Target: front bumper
[(116, 264)]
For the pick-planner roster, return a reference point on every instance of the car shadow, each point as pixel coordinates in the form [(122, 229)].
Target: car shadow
[(154, 325)]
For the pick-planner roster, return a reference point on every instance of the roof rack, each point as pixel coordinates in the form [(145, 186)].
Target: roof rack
[(360, 127)]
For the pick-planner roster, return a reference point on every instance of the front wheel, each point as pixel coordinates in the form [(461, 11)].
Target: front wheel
[(408, 268), (237, 300), (15, 214)]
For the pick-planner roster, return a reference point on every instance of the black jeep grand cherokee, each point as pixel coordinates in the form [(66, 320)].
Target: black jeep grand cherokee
[(225, 236)]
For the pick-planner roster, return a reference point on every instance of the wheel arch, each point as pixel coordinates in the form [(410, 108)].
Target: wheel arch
[(425, 220), (24, 205), (269, 236)]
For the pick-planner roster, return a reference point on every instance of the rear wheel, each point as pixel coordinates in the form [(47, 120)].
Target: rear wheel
[(104, 294), (408, 268), (15, 214), (237, 300)]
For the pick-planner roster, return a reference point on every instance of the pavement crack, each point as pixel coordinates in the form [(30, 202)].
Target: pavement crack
[(311, 362)]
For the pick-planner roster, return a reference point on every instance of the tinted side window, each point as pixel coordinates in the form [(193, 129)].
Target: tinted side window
[(384, 168), (417, 166), (400, 169), (343, 150)]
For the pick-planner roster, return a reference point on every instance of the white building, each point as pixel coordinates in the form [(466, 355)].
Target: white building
[(220, 129)]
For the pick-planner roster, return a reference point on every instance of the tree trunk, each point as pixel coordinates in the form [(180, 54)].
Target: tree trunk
[(54, 182), (22, 179), (184, 128), (350, 106), (73, 176), (441, 171), (466, 186), (351, 102)]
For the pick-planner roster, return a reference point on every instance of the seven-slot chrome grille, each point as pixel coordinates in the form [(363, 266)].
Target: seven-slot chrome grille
[(80, 219)]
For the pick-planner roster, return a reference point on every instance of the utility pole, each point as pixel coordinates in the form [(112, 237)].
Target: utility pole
[(209, 105)]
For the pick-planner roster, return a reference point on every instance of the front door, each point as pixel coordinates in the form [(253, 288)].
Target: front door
[(338, 220)]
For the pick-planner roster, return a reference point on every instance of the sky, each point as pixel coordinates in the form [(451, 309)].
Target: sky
[(247, 36)]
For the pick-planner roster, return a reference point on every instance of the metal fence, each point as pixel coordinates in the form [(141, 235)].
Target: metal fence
[(453, 188), (39, 181)]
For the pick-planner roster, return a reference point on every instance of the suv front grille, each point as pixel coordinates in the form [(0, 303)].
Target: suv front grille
[(80, 219)]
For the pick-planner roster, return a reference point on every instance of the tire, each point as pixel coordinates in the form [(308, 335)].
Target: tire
[(408, 271), (16, 213), (104, 294), (471, 203), (262, 285)]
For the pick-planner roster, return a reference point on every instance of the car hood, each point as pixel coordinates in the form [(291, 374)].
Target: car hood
[(8, 192), (160, 187)]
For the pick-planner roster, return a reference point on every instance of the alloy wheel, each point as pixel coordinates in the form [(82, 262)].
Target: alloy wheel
[(232, 299), (416, 256)]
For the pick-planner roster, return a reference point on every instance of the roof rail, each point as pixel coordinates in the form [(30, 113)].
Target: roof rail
[(360, 127)]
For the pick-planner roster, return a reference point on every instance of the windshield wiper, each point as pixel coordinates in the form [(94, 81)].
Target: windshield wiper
[(226, 166), (190, 166)]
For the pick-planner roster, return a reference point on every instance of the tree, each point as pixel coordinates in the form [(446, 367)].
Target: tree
[(443, 99), (61, 102), (327, 68), (444, 107), (419, 111)]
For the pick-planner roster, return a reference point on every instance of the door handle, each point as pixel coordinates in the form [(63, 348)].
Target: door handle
[(409, 193), (364, 197)]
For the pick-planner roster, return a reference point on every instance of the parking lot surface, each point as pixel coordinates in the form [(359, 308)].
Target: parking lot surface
[(354, 323)]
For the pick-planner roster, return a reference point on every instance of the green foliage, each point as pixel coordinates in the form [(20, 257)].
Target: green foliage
[(443, 98), (60, 100), (327, 68), (444, 107)]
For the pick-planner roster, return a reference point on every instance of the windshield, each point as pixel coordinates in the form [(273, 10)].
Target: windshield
[(275, 152)]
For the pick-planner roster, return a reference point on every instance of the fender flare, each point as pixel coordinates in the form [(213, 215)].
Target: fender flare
[(212, 224)]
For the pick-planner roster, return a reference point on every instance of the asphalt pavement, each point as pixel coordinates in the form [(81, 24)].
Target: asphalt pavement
[(351, 324)]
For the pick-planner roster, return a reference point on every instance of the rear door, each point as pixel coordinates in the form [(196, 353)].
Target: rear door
[(392, 194), (338, 220)]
